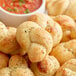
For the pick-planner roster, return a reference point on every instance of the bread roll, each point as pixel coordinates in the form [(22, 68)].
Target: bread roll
[(34, 40), (16, 71), (46, 67), (65, 51), (67, 69), (49, 25), (17, 67), (67, 24), (58, 7), (8, 42)]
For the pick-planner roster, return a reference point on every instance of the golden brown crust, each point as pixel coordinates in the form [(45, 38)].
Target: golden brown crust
[(65, 51), (47, 67), (67, 24), (20, 71), (56, 7), (66, 72), (8, 42), (71, 10), (49, 25), (17, 67), (3, 31), (67, 69), (4, 59), (37, 52), (17, 60), (29, 34), (16, 71)]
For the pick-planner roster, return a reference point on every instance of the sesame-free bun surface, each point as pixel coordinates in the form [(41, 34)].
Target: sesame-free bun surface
[(67, 69), (65, 51), (8, 42), (17, 67), (49, 25), (17, 60), (58, 7), (67, 24), (34, 40), (47, 67)]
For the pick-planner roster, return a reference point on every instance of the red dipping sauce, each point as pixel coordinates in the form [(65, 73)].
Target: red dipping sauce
[(21, 6)]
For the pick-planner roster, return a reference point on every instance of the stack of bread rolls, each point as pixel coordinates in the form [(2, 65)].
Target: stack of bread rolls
[(17, 66), (42, 46), (58, 7)]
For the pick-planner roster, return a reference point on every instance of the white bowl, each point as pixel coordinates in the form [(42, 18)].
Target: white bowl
[(11, 19)]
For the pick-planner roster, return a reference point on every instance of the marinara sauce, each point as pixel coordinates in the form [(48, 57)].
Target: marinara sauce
[(21, 6)]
